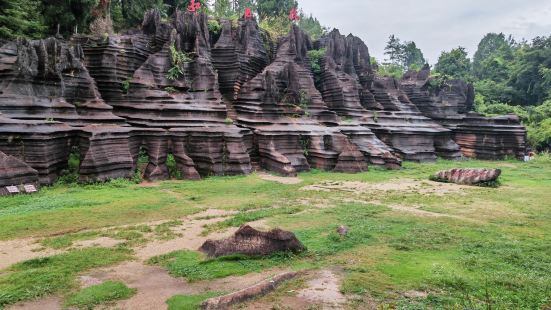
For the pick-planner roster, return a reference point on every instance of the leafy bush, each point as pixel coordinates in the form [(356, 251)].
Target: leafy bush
[(276, 27), (178, 58), (125, 86), (539, 135), (490, 108), (214, 26), (173, 167), (315, 63)]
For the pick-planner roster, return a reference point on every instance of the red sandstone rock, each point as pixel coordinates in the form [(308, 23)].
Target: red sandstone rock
[(468, 176)]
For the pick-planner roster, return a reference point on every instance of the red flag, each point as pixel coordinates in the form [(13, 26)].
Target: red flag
[(248, 13), (193, 6), (293, 16)]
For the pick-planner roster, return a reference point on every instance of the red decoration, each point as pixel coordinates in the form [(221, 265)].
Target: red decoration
[(194, 6), (293, 16), (248, 13)]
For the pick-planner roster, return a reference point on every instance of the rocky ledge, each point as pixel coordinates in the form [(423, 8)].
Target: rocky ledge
[(222, 104)]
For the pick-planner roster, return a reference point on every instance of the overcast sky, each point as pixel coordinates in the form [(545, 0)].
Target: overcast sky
[(435, 25)]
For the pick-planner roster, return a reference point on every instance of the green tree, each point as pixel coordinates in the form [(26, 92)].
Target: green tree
[(223, 9), (454, 64), (493, 58), (413, 56), (531, 75), (20, 18), (404, 54), (311, 26), (70, 15), (274, 8)]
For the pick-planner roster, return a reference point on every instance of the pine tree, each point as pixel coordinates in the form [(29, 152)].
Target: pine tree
[(21, 18)]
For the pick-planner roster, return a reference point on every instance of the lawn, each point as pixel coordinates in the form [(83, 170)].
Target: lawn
[(476, 247)]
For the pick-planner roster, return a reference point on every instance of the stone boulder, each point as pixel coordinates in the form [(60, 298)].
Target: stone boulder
[(468, 176), (14, 171), (251, 242)]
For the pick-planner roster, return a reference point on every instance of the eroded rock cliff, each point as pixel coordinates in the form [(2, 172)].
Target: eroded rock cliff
[(225, 105)]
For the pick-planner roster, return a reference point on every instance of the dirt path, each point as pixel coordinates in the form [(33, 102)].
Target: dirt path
[(274, 178), (401, 185), (321, 291), (15, 251)]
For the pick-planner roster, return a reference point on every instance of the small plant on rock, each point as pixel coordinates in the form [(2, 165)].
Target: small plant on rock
[(178, 58)]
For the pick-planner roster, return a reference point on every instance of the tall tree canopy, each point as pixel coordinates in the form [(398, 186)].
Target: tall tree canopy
[(455, 64), (70, 15), (21, 18), (405, 54), (274, 8), (311, 26), (531, 74), (493, 57)]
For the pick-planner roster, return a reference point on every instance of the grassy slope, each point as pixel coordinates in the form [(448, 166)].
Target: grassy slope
[(493, 251)]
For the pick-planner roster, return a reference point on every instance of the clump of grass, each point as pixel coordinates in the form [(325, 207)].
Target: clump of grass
[(189, 302), (66, 241), (95, 295), (43, 276), (195, 266), (164, 232)]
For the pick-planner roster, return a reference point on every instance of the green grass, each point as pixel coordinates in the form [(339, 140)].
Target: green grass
[(487, 248), (189, 302), (95, 295), (55, 274), (194, 266)]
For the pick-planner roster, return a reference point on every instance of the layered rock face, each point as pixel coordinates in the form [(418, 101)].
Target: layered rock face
[(449, 105), (47, 80), (225, 104), (468, 176), (14, 171), (351, 89)]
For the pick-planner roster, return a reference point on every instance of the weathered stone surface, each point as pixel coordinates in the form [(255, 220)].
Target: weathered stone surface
[(449, 104), (105, 153), (351, 89), (45, 146), (47, 80), (238, 55), (252, 242), (289, 117), (468, 176), (240, 102), (257, 290), (14, 171)]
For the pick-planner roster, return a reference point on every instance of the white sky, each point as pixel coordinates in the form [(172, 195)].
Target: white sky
[(435, 25)]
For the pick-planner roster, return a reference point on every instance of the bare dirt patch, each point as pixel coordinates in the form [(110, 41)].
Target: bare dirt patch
[(98, 242), (274, 178), (401, 185), (50, 303), (324, 288), (15, 251)]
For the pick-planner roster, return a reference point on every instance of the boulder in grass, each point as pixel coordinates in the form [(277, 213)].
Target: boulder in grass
[(251, 242), (481, 177)]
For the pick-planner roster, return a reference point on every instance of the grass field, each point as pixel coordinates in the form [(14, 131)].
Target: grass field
[(475, 247)]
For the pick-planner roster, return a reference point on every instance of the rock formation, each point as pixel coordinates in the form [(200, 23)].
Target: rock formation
[(468, 176), (225, 104), (449, 103), (251, 242), (14, 172), (351, 89)]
